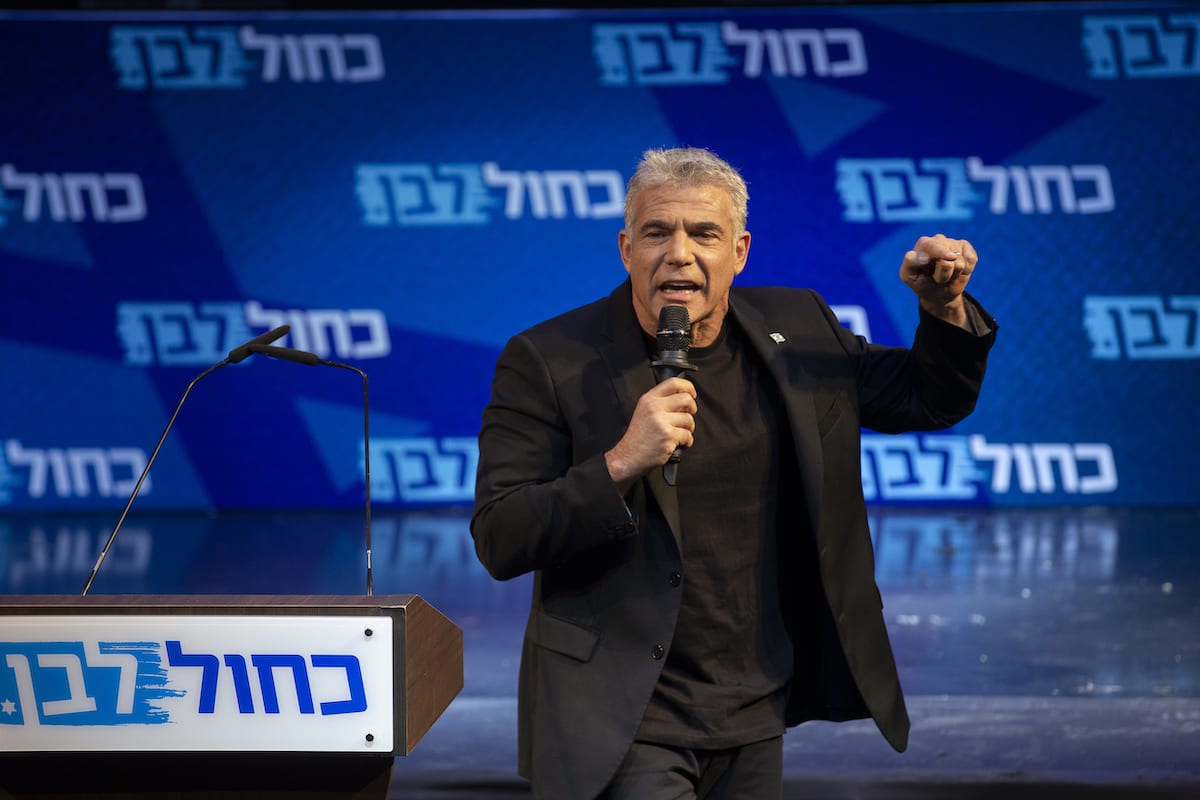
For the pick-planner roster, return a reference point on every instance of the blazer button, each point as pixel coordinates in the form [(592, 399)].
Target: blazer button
[(657, 652), (675, 579)]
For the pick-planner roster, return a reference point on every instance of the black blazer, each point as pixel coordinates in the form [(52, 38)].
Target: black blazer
[(604, 607)]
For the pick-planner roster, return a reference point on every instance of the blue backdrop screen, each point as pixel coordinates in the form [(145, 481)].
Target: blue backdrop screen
[(408, 190)]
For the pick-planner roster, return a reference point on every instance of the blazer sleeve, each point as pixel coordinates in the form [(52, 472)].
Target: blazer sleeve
[(930, 386), (540, 500)]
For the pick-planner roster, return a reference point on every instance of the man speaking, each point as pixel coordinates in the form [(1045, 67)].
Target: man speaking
[(678, 627)]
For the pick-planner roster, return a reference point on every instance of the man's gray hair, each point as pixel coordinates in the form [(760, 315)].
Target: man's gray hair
[(687, 166)]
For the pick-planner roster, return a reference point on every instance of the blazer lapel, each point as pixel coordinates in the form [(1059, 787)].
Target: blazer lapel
[(624, 353), (785, 367)]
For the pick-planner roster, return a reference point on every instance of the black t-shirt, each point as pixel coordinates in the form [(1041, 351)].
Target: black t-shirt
[(726, 674)]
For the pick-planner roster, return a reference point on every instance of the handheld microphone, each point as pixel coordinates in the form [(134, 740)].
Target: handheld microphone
[(674, 338), (312, 360), (236, 355)]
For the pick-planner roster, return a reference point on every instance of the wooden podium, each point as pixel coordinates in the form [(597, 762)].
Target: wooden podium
[(127, 696)]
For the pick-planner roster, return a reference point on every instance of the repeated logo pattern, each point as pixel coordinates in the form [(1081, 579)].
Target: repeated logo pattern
[(406, 194)]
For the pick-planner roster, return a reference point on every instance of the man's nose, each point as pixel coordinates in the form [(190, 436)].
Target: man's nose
[(680, 249)]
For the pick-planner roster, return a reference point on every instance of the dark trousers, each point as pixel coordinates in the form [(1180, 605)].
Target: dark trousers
[(662, 772)]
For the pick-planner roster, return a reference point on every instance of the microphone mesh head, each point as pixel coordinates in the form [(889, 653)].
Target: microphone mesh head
[(674, 329)]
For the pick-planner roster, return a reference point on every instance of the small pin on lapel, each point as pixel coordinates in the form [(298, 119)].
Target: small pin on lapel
[(778, 337)]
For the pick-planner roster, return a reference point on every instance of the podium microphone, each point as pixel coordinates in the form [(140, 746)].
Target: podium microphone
[(312, 360), (674, 338), (235, 356)]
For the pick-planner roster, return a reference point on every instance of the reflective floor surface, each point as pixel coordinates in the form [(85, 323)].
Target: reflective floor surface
[(1044, 653)]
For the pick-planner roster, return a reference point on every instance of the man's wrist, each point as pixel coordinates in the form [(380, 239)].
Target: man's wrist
[(954, 312), (620, 472)]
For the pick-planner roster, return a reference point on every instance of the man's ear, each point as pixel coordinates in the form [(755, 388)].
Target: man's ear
[(741, 249)]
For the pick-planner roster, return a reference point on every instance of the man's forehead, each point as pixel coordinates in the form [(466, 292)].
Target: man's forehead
[(693, 204)]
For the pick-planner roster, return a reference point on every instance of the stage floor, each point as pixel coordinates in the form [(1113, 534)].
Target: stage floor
[(1044, 653)]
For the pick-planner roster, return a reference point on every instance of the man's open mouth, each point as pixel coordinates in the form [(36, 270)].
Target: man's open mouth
[(678, 287)]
